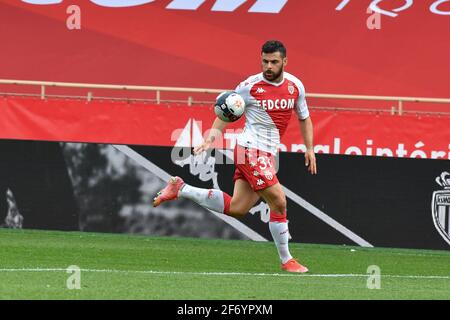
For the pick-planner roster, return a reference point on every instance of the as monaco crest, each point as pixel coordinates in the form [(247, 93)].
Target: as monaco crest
[(291, 88), (440, 206)]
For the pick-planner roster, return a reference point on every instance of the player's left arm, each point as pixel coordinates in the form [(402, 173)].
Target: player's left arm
[(306, 128)]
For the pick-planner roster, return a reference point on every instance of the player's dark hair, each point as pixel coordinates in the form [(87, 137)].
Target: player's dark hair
[(273, 46)]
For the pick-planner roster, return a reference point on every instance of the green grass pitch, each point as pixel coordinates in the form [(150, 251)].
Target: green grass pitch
[(113, 266)]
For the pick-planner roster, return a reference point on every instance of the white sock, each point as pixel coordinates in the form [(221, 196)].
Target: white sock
[(209, 198), (280, 234)]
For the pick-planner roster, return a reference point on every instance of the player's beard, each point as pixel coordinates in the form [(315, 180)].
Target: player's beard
[(271, 76)]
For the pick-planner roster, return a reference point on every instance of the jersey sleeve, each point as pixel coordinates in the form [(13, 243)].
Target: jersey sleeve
[(243, 89), (239, 88), (301, 107)]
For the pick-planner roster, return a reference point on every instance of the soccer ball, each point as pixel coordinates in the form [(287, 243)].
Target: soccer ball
[(229, 106)]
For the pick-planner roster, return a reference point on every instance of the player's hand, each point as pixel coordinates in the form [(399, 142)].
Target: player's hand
[(203, 147), (310, 161)]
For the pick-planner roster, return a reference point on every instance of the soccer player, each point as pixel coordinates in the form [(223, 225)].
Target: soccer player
[(270, 97)]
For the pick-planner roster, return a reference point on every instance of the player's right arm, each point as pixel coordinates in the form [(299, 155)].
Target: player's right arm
[(219, 125), (215, 133)]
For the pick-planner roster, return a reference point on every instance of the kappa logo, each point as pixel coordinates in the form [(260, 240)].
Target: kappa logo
[(440, 207), (260, 182), (255, 173), (259, 6), (260, 90)]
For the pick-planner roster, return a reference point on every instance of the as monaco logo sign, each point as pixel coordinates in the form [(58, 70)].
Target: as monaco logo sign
[(440, 206)]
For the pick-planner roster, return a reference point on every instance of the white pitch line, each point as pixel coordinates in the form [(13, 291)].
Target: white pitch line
[(225, 274)]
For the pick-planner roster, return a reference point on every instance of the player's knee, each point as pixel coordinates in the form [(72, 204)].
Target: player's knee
[(237, 210), (279, 204), (237, 213)]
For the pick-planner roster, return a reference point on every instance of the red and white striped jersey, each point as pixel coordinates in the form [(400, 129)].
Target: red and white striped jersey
[(268, 110)]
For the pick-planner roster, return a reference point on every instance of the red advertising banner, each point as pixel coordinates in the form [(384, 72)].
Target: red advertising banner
[(164, 125), (376, 47)]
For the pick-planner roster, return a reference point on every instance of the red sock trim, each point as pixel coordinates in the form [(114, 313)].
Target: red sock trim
[(226, 203), (276, 217)]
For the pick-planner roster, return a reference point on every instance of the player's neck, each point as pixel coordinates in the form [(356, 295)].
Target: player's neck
[(278, 80)]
